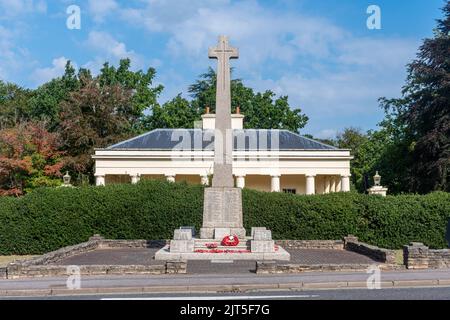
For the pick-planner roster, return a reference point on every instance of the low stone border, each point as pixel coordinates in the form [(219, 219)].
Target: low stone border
[(270, 267), (311, 244), (3, 273), (351, 243), (18, 271), (95, 242), (44, 265), (418, 256)]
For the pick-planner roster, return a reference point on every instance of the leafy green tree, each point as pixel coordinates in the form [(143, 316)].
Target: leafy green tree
[(14, 105), (261, 110), (144, 97), (420, 119), (45, 101), (176, 113)]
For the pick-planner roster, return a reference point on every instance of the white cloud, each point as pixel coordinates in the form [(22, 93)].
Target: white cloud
[(13, 8), (13, 57), (325, 69), (99, 9), (109, 49), (42, 75)]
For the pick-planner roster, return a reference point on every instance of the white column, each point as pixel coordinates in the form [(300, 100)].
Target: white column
[(100, 180), (333, 184), (170, 177), (338, 184), (135, 178), (275, 184), (310, 184), (205, 180), (345, 183), (240, 182), (327, 184)]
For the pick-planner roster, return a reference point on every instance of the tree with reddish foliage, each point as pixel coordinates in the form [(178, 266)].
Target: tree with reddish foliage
[(29, 158), (95, 116)]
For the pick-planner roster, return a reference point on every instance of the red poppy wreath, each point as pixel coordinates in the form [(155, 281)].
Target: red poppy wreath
[(230, 241)]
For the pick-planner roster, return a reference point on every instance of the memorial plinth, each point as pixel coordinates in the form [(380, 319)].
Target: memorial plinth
[(222, 210)]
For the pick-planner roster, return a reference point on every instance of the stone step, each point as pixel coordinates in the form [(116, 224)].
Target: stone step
[(223, 248), (204, 241)]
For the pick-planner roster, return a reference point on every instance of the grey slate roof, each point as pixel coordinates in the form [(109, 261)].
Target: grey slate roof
[(197, 139)]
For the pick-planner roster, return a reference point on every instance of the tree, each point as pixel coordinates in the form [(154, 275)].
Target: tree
[(422, 116), (95, 116), (262, 110), (29, 158), (353, 139), (46, 100), (144, 96), (176, 113), (14, 105)]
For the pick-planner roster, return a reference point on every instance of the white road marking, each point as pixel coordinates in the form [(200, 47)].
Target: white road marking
[(217, 298)]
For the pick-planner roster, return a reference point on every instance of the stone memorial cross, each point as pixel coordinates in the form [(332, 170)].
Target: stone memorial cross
[(223, 141)]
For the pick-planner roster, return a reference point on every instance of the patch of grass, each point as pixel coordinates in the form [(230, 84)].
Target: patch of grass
[(4, 260), (399, 256)]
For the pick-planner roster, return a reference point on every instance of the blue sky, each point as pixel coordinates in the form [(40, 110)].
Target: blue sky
[(318, 52)]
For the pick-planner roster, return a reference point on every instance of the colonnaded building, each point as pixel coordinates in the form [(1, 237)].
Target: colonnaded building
[(265, 160)]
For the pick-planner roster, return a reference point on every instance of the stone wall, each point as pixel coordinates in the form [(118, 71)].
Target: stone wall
[(268, 267), (3, 273), (44, 266), (311, 244), (418, 256), (18, 271), (351, 243)]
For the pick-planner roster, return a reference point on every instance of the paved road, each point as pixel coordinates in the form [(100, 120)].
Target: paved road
[(224, 279), (442, 293)]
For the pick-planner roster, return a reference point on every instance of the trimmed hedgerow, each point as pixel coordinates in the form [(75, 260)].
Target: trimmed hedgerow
[(48, 219)]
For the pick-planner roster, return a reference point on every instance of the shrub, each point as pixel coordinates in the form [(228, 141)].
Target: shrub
[(48, 219)]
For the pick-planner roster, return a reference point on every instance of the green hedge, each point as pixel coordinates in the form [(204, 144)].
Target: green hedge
[(48, 219)]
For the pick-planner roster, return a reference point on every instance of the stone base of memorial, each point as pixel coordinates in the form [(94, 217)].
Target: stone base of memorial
[(258, 247)]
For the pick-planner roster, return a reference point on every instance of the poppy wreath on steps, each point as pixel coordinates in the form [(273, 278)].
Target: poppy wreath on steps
[(230, 241)]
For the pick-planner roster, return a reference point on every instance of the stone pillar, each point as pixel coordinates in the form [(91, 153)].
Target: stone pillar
[(416, 256), (262, 241), (332, 185), (275, 184), (135, 178), (240, 182), (345, 183), (338, 184), (182, 241), (310, 184), (205, 180), (327, 184), (170, 177), (99, 180)]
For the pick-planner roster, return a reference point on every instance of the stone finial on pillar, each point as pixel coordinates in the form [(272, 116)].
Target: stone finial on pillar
[(377, 189)]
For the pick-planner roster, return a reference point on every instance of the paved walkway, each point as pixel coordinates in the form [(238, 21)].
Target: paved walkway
[(144, 256), (221, 283)]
